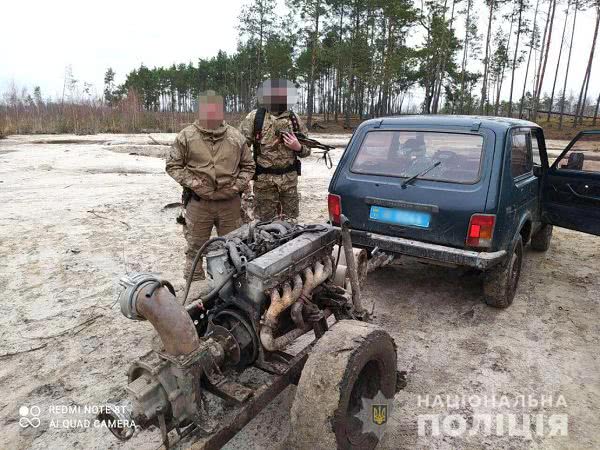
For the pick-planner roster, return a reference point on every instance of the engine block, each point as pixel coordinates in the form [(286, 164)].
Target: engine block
[(270, 283)]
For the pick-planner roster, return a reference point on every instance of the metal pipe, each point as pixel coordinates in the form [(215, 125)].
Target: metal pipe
[(311, 280), (170, 320), (280, 302), (274, 227), (283, 223), (296, 313), (273, 344), (323, 271), (234, 255), (351, 264), (341, 270), (206, 301)]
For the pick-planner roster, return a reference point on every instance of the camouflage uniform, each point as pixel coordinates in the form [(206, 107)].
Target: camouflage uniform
[(275, 193), (217, 166)]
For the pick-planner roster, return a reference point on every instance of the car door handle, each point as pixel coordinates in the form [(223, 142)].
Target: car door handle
[(586, 197)]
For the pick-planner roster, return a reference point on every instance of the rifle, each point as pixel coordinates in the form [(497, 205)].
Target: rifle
[(312, 143)]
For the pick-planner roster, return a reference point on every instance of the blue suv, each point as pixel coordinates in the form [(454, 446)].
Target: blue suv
[(464, 191)]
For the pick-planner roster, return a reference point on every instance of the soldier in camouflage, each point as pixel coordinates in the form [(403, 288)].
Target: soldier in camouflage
[(276, 151), (211, 159)]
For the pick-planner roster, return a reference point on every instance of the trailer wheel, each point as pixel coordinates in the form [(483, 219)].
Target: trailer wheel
[(352, 361), (540, 241)]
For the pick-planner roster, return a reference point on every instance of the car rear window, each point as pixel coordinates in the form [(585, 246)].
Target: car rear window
[(407, 153)]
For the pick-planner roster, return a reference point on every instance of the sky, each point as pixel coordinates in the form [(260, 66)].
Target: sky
[(41, 38), (91, 36)]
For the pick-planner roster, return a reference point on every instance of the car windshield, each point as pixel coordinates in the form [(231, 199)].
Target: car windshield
[(407, 153)]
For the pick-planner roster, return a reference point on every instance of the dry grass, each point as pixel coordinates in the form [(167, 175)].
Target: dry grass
[(568, 132), (129, 117), (87, 119), (92, 119)]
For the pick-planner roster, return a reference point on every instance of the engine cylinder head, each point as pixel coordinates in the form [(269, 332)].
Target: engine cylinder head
[(219, 268)]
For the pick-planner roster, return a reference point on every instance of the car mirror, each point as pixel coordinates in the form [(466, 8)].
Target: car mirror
[(575, 161), (537, 170)]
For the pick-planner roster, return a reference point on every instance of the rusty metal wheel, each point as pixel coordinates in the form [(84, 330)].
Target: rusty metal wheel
[(354, 361)]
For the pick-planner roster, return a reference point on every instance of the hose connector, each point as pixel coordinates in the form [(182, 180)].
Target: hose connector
[(130, 286)]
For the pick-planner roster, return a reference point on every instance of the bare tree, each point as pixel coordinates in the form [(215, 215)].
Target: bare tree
[(596, 111), (465, 55), (536, 73), (579, 113), (532, 44), (313, 62), (564, 91), (486, 59), (515, 56), (544, 58), (562, 42), (504, 62)]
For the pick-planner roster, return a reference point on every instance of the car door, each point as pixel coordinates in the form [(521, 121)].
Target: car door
[(571, 195), (540, 168), (524, 188)]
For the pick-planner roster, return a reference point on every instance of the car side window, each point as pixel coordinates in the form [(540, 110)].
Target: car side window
[(520, 156), (584, 155), (535, 147)]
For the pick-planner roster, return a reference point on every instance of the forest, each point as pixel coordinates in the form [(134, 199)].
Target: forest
[(352, 60)]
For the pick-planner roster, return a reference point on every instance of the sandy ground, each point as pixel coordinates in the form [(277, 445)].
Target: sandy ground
[(75, 217)]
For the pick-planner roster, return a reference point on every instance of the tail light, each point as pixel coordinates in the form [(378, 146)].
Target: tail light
[(481, 230), (334, 204)]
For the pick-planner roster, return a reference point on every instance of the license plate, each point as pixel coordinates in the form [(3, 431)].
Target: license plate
[(400, 216)]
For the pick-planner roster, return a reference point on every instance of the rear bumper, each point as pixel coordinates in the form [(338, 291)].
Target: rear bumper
[(423, 250)]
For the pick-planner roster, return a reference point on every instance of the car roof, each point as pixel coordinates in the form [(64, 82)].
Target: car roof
[(494, 123)]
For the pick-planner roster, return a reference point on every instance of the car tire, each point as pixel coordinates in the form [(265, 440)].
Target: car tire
[(540, 241), (353, 361), (500, 283)]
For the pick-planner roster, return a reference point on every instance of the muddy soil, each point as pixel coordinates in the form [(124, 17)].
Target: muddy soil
[(78, 215)]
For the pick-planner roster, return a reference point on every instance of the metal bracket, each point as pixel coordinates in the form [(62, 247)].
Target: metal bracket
[(221, 386), (163, 430)]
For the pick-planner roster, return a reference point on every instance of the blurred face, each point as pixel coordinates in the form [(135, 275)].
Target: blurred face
[(277, 95), (279, 98), (210, 111)]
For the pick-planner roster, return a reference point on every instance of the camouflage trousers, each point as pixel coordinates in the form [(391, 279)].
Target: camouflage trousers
[(248, 204), (276, 195), (201, 216)]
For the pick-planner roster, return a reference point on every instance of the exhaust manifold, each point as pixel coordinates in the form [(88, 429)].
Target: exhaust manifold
[(301, 292)]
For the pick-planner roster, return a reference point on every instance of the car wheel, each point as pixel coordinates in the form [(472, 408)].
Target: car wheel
[(500, 283), (540, 241), (354, 361)]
